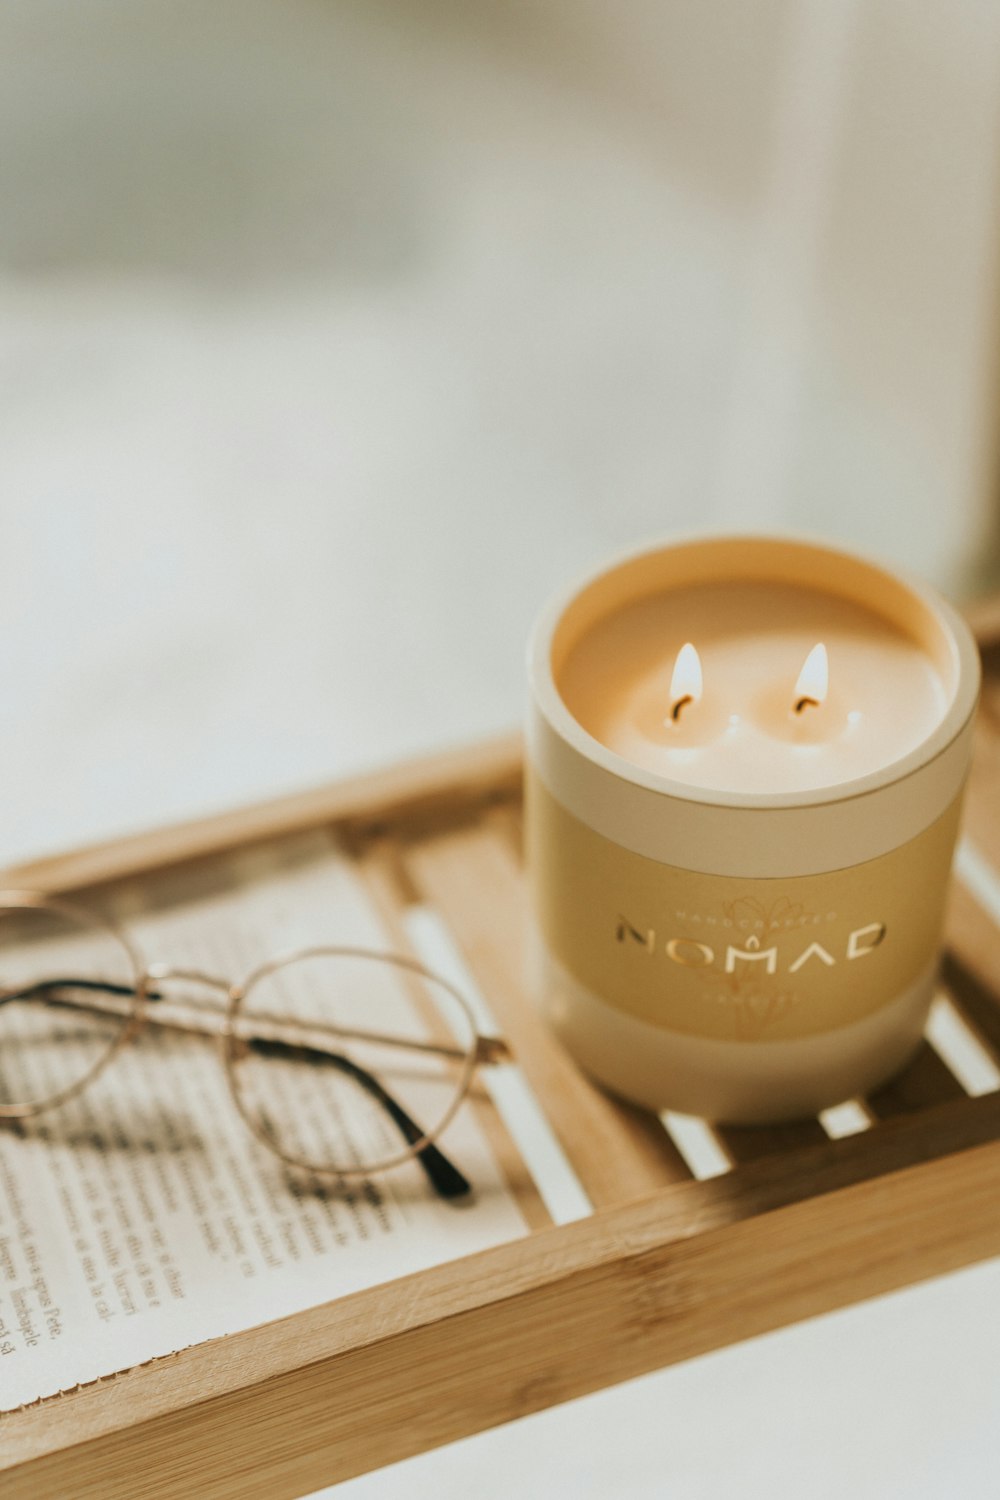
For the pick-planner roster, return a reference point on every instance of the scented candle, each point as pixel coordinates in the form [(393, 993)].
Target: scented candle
[(745, 767)]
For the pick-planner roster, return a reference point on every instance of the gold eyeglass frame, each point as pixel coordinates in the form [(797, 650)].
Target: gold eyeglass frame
[(135, 1011)]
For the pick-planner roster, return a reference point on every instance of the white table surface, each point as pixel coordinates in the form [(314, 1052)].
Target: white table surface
[(288, 464), (896, 1400)]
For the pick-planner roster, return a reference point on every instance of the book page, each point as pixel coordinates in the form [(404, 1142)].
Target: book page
[(144, 1216)]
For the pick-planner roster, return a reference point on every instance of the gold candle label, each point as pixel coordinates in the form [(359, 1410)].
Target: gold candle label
[(730, 958)]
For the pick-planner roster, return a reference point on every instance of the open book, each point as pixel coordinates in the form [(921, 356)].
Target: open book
[(143, 1216)]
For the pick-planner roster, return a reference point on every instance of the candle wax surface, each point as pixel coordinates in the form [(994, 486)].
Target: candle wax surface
[(743, 735)]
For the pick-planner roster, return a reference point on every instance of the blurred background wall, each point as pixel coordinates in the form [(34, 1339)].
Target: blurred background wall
[(334, 334)]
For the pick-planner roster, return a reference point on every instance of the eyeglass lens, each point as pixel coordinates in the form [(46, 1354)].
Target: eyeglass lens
[(330, 1062), (67, 991)]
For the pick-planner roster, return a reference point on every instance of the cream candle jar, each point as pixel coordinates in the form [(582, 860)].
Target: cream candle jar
[(745, 766)]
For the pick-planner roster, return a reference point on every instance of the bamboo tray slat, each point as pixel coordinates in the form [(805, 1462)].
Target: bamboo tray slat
[(668, 1265), (471, 877)]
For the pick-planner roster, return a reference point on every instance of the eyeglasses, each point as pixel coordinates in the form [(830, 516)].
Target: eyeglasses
[(332, 1054)]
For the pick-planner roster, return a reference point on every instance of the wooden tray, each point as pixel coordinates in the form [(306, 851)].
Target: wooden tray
[(666, 1267)]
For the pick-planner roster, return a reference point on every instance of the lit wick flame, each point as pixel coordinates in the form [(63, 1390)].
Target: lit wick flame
[(685, 684), (811, 688)]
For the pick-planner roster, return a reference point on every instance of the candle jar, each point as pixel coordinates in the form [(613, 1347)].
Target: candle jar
[(739, 901)]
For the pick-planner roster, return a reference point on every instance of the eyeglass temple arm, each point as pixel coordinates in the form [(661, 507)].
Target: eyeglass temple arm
[(443, 1175), (43, 987), (489, 1049)]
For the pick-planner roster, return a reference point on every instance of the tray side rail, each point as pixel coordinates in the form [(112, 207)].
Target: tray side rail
[(501, 1335)]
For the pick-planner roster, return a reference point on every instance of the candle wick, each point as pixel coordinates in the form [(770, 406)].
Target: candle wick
[(675, 712), (805, 702)]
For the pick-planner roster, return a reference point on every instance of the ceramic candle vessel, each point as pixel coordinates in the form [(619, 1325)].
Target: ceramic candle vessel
[(745, 767)]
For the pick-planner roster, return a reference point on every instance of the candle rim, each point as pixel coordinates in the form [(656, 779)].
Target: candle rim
[(962, 691)]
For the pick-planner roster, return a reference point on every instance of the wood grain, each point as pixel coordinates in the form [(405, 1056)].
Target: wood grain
[(983, 616), (382, 870), (445, 783), (970, 967), (743, 1143), (398, 1369), (926, 1080), (472, 878), (982, 802)]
